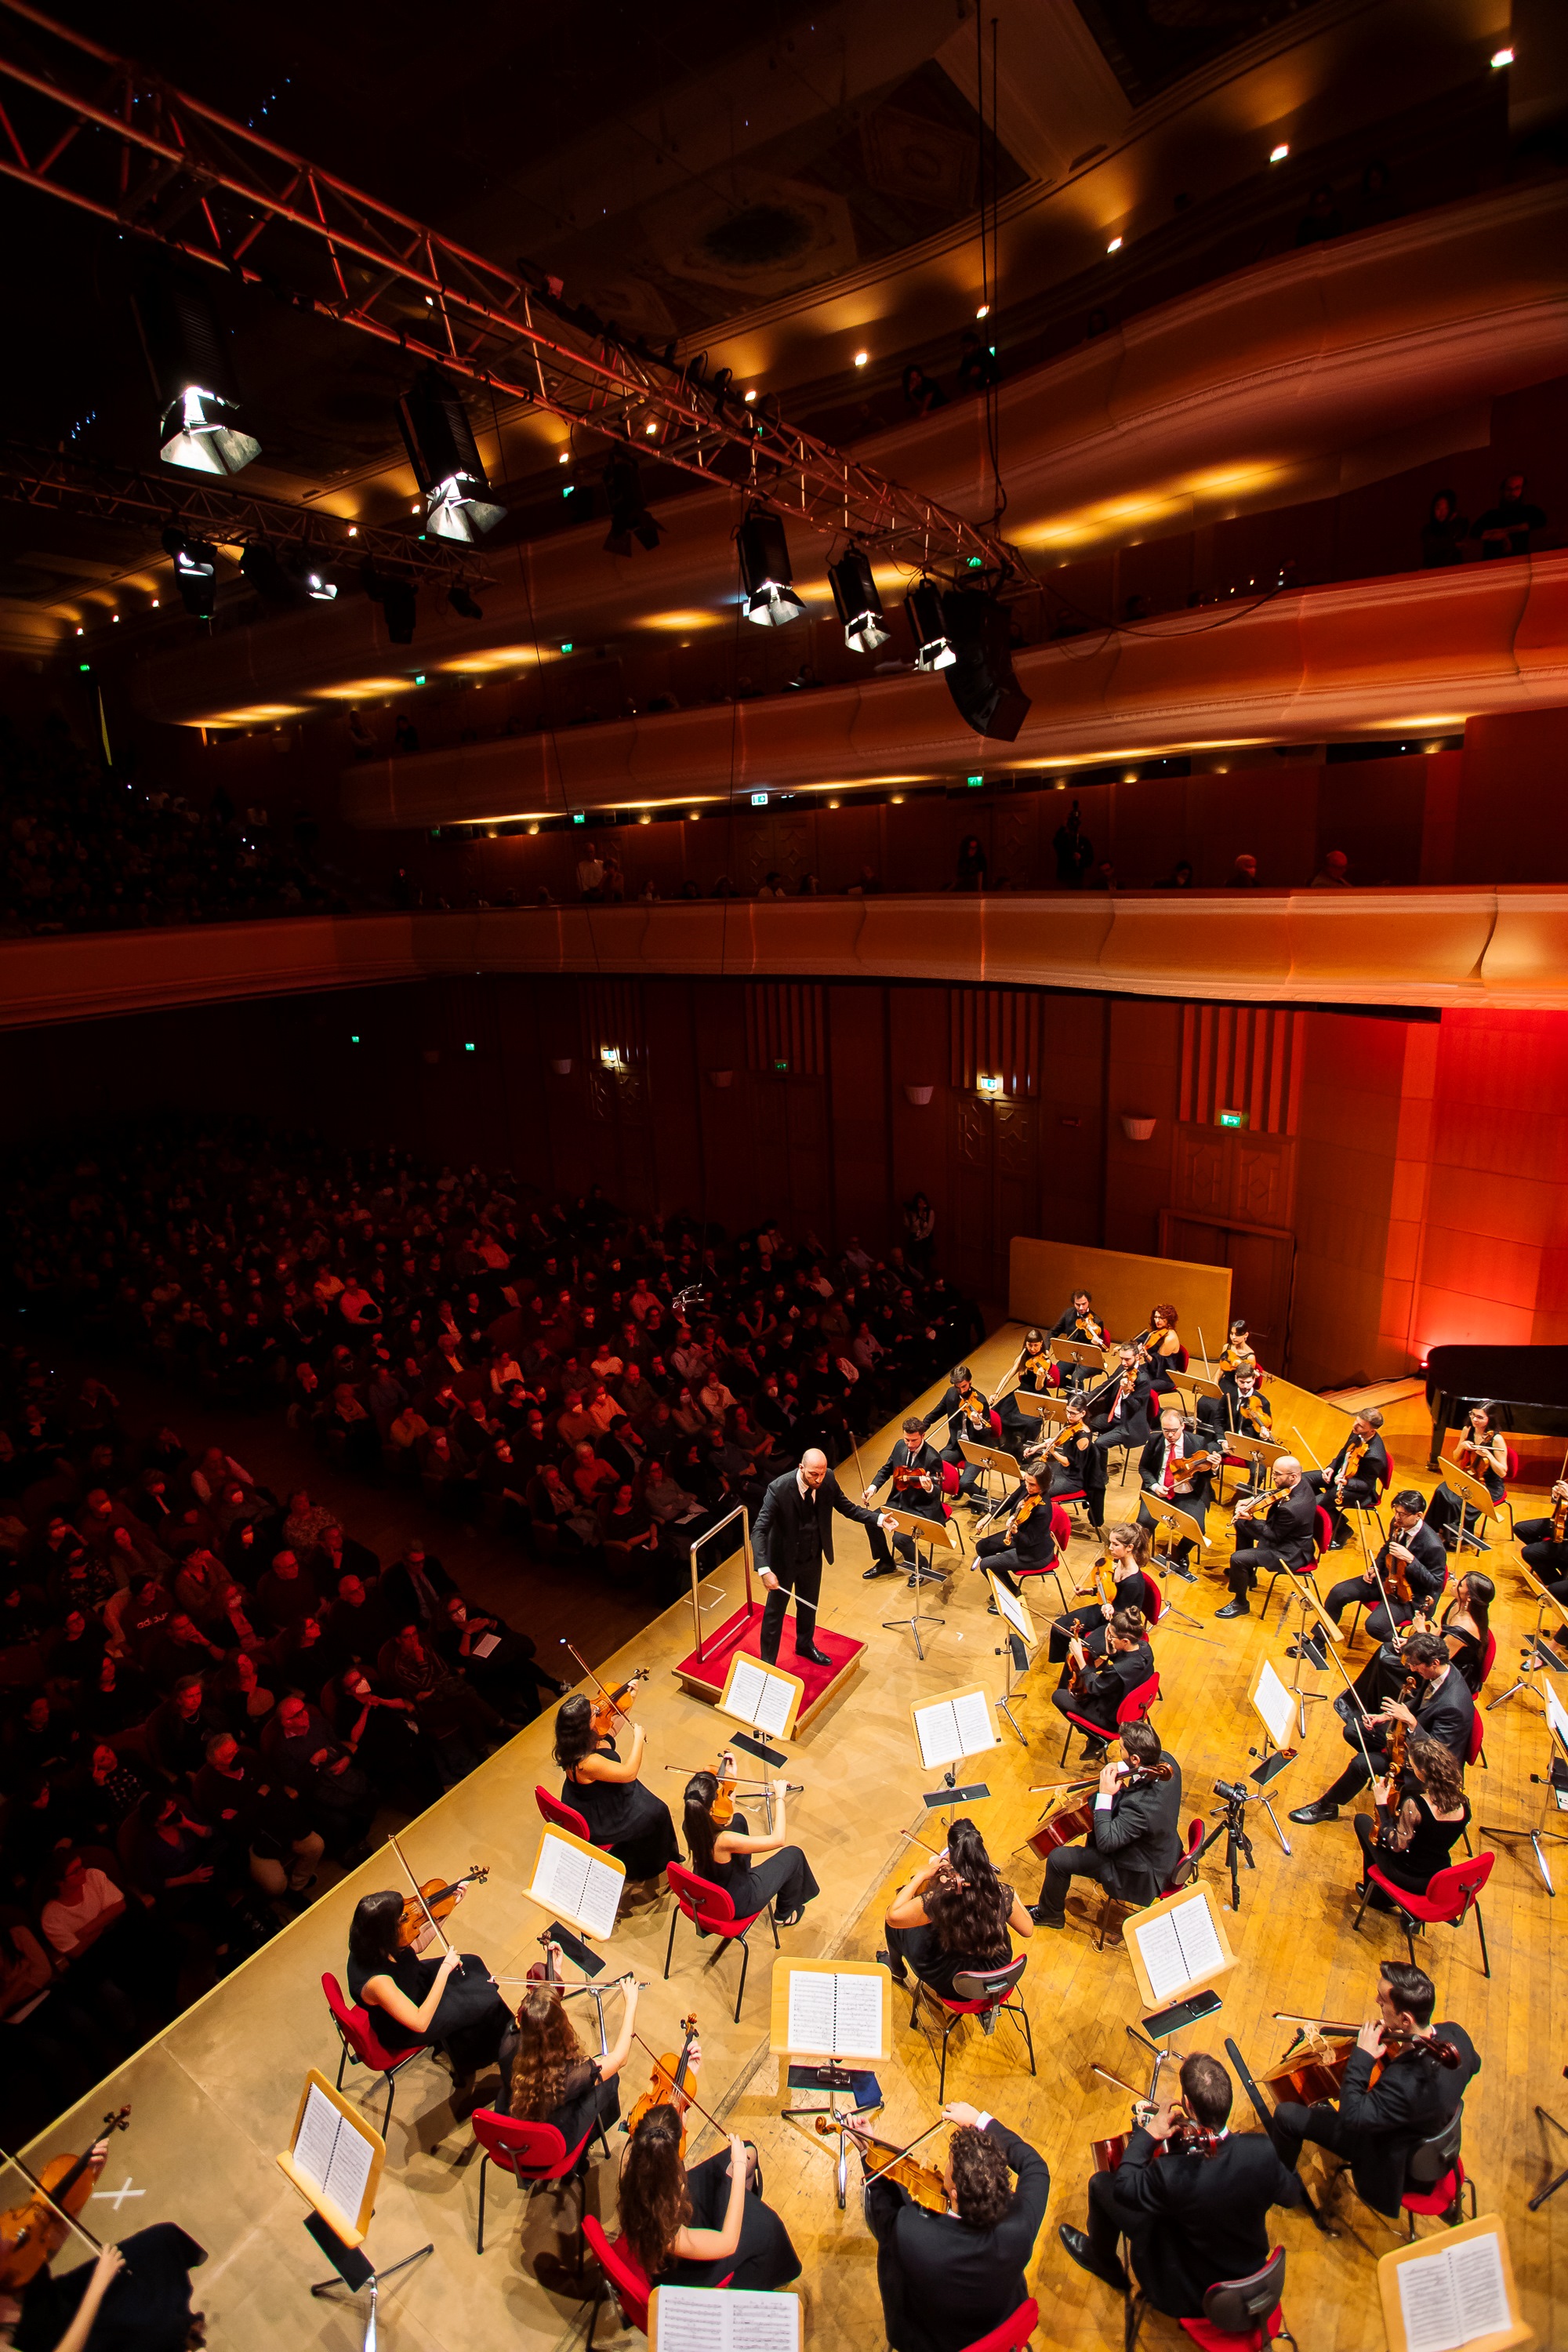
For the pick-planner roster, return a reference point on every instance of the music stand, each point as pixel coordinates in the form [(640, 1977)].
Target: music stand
[(1195, 1384), (1260, 1453), (1304, 1593), (1178, 1951), (1081, 1356), (1179, 1525), (948, 1727), (1472, 1494), (1537, 1655), (335, 2159), (986, 1459), (1556, 1782), (791, 2035), (1020, 1635), (933, 1533)]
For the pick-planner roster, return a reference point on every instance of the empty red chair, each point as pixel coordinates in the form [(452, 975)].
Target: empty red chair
[(983, 1993), (710, 1911)]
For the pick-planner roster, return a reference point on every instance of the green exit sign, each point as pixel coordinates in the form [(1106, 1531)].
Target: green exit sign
[(975, 782), (781, 1065), (1233, 1118)]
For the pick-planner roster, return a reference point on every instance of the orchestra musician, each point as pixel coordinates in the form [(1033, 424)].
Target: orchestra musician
[(1238, 1349), (548, 2075), (1101, 1668), (1377, 2126), (449, 2005), (914, 1469), (955, 1916), (1075, 1462), (1121, 1417), (946, 2277), (621, 1814), (701, 2226), (1176, 1467), (1543, 1543), (1462, 1628), (1034, 1373), (1357, 1474), (1035, 1532), (1286, 1533), (1080, 1322), (967, 1413), (1134, 1843), (132, 2298), (1126, 1558), (722, 1854), (1444, 1710), (1417, 1821), (792, 1537), (1162, 1349), (1482, 1451), (1413, 1549), (1190, 2219)]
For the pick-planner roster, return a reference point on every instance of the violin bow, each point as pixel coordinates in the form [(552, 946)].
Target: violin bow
[(70, 2220), (690, 2096), (902, 2152), (430, 1919), (624, 1713), (1203, 1344), (1105, 2073)]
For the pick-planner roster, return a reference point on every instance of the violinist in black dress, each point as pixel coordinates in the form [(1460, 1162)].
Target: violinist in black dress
[(451, 2004), (622, 1816), (753, 1869)]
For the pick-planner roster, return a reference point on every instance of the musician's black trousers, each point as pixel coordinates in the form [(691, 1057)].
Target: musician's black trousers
[(1361, 1491), (1352, 1589), (1293, 2124), (1068, 1862), (1247, 1565), (807, 1584)]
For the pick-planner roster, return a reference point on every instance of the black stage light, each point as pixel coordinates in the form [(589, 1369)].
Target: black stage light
[(187, 352), (397, 598), (445, 459), (461, 601), (856, 602), (981, 678), (926, 608), (196, 568), (766, 570), (629, 517)]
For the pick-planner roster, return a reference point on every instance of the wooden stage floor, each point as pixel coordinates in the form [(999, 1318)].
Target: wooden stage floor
[(214, 2097)]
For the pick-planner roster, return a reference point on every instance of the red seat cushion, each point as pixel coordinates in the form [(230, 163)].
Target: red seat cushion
[(1215, 2339)]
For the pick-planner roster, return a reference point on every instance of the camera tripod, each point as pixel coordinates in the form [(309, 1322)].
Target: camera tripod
[(1237, 1843)]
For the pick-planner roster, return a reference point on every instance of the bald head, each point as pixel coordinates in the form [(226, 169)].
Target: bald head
[(814, 1466)]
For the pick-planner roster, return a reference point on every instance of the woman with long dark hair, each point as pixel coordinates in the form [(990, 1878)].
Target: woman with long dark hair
[(549, 2078), (953, 1917), (1466, 1624), (1413, 1836), (620, 1813), (723, 1855), (1483, 1451), (451, 2004), (693, 2228)]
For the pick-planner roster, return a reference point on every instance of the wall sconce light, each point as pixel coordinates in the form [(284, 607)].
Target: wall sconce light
[(989, 1082), (722, 1078), (1136, 1128), (919, 1095), (563, 1068)]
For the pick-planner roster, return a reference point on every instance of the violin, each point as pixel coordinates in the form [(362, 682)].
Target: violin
[(1355, 1455), (1399, 1737), (436, 1899), (1398, 1577), (31, 2234), (1186, 2138), (923, 2182), (672, 2082), (613, 1706), (1559, 1515), (910, 1474), (1079, 1667), (1101, 1580), (721, 1811)]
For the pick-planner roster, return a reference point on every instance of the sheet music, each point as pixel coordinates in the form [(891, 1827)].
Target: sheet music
[(811, 2008), (1556, 1716), (726, 2319), (747, 1685), (1160, 1949), (1201, 1949), (585, 1888), (317, 2137), (1012, 1608), (936, 1728), (485, 1643), (837, 2016), (331, 2155), (1275, 1704), (773, 1710), (1455, 2295), (350, 2171), (972, 1715)]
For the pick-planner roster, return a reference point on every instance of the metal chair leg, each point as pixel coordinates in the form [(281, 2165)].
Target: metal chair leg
[(746, 1963), (390, 2095), (342, 2061), (1029, 2035), (670, 1948), (775, 1926), (1481, 1932), (484, 2165), (1409, 1938), (1360, 1915)]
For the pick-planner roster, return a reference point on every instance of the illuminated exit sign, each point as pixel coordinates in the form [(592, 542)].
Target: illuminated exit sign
[(1235, 1118)]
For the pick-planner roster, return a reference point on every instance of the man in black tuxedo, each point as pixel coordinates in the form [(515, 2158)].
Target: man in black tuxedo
[(948, 2278), (1377, 2130), (1190, 2220), (1444, 1711), (1166, 1475), (921, 1495), (1123, 1418), (792, 1538), (1415, 1547), (1285, 1535), (1079, 1322), (1135, 1842), (1363, 1485)]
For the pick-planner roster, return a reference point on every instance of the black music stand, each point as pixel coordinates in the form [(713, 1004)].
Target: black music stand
[(1556, 1782), (354, 2270)]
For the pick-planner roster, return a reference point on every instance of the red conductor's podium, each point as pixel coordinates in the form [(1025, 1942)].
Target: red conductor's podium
[(705, 1669)]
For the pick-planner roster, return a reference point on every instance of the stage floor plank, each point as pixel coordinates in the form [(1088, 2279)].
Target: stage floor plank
[(213, 2097)]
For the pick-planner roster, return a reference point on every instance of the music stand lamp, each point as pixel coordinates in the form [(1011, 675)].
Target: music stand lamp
[(1556, 1782)]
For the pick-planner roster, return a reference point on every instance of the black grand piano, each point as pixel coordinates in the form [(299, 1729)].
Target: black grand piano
[(1529, 1386)]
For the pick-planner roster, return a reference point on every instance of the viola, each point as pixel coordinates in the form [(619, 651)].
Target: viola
[(436, 1899), (1559, 1517), (721, 1811), (1186, 2138), (884, 2161), (32, 2234), (613, 1706), (1079, 1665), (672, 2081), (1101, 1580), (1399, 1737), (910, 1474)]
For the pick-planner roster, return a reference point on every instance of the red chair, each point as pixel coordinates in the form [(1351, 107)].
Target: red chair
[(1013, 2333), (977, 1993), (1244, 2315), (625, 2274), (1133, 1708), (533, 2153), (1174, 1885), (358, 2041), (566, 1817), (1323, 1538), (712, 1913), (1156, 1608), (1451, 1894), (1434, 2177)]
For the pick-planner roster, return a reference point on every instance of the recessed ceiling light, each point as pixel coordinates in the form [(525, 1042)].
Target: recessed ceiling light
[(353, 530), (1502, 58), (861, 358), (650, 429), (154, 604), (1277, 154), (564, 458), (1115, 246), (983, 311)]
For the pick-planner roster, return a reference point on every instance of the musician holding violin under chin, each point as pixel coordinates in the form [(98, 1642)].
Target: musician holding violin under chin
[(913, 1467), (1192, 2204), (1029, 1536), (953, 1917), (1413, 1556), (1175, 1467), (947, 2278), (451, 2004), (725, 1852), (1379, 2123), (1438, 1704), (549, 2078), (1101, 1667), (1121, 1573), (622, 1815), (1134, 1841)]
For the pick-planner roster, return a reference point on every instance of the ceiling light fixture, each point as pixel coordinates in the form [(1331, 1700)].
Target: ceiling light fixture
[(397, 598), (1277, 154), (928, 624), (629, 517), (983, 311), (1115, 246), (861, 358), (195, 568), (766, 571), (463, 601), (858, 601), (187, 352), (445, 459), (1501, 57)]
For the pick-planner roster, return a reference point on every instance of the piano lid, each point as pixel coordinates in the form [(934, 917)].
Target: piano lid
[(1528, 1380)]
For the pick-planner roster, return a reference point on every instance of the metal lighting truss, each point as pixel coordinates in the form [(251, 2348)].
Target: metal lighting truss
[(122, 145), (217, 511)]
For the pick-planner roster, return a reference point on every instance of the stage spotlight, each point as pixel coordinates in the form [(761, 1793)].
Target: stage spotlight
[(856, 602), (196, 567), (462, 602), (445, 459), (925, 606), (630, 518), (396, 598), (318, 587), (187, 352), (765, 568)]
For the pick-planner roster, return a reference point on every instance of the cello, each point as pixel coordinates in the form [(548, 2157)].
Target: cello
[(32, 2234)]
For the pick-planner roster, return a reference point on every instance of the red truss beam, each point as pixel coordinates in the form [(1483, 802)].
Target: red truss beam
[(117, 141)]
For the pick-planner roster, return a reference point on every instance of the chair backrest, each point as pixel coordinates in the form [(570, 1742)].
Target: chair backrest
[(1236, 2306), (1137, 1702), (1323, 1529), (1477, 1740), (1512, 1463), (530, 2151), (698, 1897), (1155, 1603), (951, 1476), (1183, 1872), (990, 1986), (1012, 2333), (623, 2270), (563, 1817), (995, 1424), (354, 2025), (1452, 1891), (1489, 1656), (1428, 2161)]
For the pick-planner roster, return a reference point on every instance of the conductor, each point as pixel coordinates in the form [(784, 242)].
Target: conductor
[(793, 1536)]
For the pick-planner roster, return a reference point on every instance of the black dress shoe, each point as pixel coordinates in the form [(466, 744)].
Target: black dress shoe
[(809, 1650), (1044, 1919), (1309, 1816), (1234, 1609), (895, 1968), (879, 1568), (1077, 2247)]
